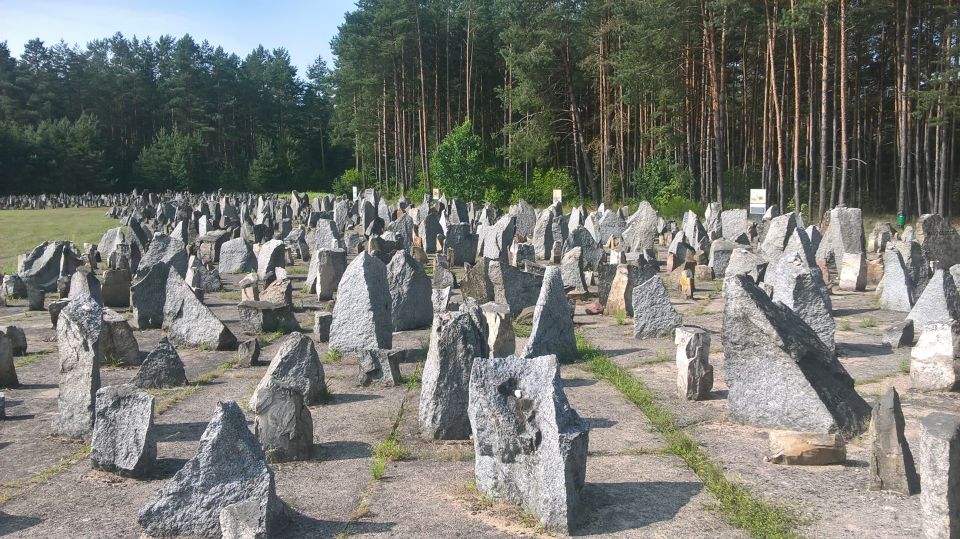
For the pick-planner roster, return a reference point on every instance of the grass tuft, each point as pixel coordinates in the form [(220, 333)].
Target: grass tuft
[(868, 322), (844, 325), (904, 366), (332, 356), (32, 358), (414, 381), (522, 330), (621, 317), (757, 517)]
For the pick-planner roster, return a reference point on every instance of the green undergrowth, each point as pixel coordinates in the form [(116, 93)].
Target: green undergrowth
[(758, 517), (414, 381), (522, 330), (32, 358)]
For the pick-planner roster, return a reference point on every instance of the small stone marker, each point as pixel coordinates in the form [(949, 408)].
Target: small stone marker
[(161, 368), (296, 365), (552, 330), (694, 372), (653, 314), (248, 353), (378, 367)]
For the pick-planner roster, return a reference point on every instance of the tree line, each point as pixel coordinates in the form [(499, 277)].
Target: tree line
[(821, 102), (166, 114)]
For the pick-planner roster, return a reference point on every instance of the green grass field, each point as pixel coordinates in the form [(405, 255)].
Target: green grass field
[(22, 230)]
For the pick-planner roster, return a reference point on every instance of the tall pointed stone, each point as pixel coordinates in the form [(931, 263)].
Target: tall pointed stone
[(189, 322), (798, 287), (896, 288), (362, 316), (891, 467), (410, 293), (229, 468), (653, 314), (79, 336), (939, 302)]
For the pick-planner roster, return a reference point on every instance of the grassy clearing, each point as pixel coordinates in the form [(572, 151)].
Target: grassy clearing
[(25, 229), (14, 488), (32, 358), (738, 507)]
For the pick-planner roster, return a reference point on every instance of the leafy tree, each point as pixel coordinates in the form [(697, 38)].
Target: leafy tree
[(174, 161), (457, 165), (269, 171)]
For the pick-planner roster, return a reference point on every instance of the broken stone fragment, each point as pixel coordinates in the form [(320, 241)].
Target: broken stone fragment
[(806, 448)]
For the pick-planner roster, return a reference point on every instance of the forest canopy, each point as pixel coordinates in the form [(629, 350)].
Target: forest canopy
[(819, 101)]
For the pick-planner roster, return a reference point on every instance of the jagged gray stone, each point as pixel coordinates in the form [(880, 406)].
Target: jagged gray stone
[(456, 340), (229, 467), (119, 343), (891, 465), (939, 468), (653, 314), (896, 288), (189, 322), (410, 293), (530, 446), (378, 367), (79, 341), (236, 256), (124, 438), (938, 303), (166, 250), (798, 286), (694, 372), (296, 365), (161, 368), (552, 332)]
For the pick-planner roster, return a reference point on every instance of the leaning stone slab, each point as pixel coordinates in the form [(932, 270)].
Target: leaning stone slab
[(530, 445), (780, 375), (653, 314), (361, 316), (189, 322), (552, 331), (229, 468), (456, 341), (79, 340), (939, 468), (124, 438), (41, 268), (891, 465), (899, 334), (148, 294), (161, 368), (694, 372)]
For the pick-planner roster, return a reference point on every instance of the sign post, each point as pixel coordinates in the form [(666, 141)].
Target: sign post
[(758, 201)]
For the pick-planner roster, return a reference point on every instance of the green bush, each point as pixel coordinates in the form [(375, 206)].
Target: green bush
[(665, 184), (344, 184), (539, 192)]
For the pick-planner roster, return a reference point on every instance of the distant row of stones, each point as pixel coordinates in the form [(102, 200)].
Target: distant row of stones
[(778, 333)]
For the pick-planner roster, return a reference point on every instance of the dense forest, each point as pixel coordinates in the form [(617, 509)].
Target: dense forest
[(675, 101)]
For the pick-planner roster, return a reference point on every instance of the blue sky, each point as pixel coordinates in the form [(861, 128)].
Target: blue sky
[(303, 27)]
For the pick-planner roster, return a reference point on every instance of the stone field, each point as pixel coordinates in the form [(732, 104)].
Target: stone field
[(234, 365)]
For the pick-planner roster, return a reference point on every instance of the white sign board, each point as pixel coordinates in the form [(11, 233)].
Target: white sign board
[(558, 195), (758, 201), (436, 194), (355, 192)]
